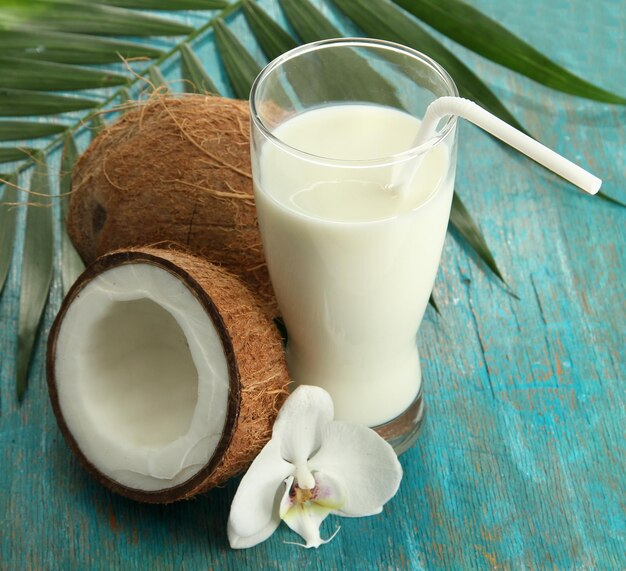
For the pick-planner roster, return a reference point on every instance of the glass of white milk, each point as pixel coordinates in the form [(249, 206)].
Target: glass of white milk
[(353, 218)]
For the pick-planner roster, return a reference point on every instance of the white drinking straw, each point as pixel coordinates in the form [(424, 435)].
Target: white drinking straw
[(535, 150)]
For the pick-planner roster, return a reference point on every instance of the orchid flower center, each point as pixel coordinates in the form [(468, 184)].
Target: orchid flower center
[(299, 495)]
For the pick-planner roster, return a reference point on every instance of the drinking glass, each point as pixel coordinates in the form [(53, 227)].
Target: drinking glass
[(353, 218)]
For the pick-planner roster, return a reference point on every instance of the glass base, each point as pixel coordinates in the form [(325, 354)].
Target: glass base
[(402, 431)]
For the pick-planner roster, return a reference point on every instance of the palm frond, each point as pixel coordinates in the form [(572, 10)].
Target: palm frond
[(8, 213), (43, 43), (21, 102), (308, 21), (610, 199), (36, 269), (156, 77), (273, 39), (18, 130), (12, 154), (197, 79), (96, 125), (356, 73), (463, 223), (384, 20), (86, 18), (240, 66), (168, 4), (34, 43), (35, 75), (491, 40)]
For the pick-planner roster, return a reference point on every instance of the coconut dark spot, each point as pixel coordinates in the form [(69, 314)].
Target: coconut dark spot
[(98, 218)]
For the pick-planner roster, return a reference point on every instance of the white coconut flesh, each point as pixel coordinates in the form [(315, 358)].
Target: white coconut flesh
[(142, 377)]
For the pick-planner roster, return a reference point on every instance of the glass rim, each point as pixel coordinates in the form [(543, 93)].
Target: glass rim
[(410, 153)]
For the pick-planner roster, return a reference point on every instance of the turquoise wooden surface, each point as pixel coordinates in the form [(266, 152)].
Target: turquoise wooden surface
[(521, 463)]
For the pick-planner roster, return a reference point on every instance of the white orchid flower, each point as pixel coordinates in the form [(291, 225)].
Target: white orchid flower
[(312, 466)]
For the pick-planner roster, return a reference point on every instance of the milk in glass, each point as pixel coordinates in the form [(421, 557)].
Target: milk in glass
[(351, 251)]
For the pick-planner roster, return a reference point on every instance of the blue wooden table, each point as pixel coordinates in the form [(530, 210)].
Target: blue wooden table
[(521, 464)]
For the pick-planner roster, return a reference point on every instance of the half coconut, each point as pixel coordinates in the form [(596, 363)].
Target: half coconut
[(164, 374)]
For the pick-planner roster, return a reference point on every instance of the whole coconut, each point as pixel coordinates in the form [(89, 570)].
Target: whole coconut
[(175, 169)]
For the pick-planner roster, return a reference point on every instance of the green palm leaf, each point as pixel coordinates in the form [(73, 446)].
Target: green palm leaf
[(11, 154), (308, 21), (610, 199), (355, 72), (17, 130), (273, 39), (491, 40), (197, 79), (8, 213), (96, 125), (87, 18), (36, 269), (123, 96), (168, 4), (18, 73), (381, 19), (238, 63), (19, 102), (463, 223), (69, 48), (156, 77)]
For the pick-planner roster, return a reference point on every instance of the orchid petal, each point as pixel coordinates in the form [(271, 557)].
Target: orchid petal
[(305, 517), (329, 492), (254, 511), (362, 462), (286, 502), (299, 426)]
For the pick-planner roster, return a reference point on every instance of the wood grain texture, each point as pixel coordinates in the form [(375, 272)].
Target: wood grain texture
[(521, 462)]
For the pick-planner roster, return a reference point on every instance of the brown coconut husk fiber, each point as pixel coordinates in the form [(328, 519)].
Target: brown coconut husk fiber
[(175, 169), (257, 369)]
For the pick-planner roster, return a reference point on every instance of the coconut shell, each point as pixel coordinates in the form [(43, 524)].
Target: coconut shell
[(258, 374), (175, 169)]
